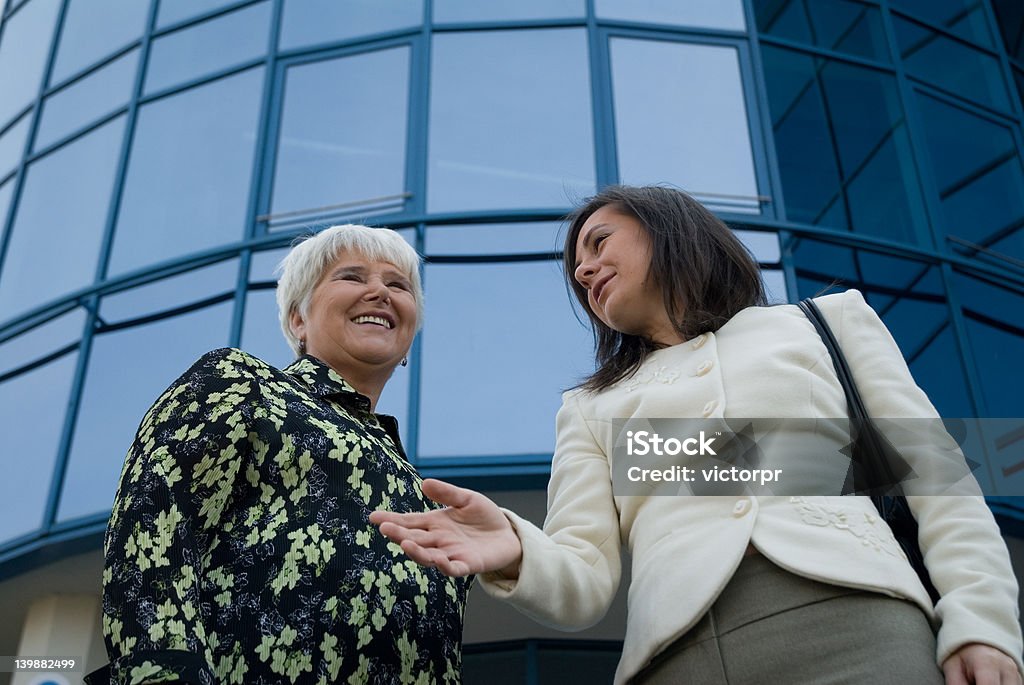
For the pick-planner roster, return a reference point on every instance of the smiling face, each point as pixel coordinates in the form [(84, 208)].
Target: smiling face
[(613, 257), (361, 317)]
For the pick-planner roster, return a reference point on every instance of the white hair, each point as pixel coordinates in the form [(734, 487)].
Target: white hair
[(304, 266)]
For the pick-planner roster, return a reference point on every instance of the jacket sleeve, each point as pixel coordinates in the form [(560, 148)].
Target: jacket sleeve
[(963, 550), (177, 480), (570, 571)]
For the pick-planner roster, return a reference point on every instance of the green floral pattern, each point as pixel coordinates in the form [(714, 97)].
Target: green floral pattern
[(239, 548)]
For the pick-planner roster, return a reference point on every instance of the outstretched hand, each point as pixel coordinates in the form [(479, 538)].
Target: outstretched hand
[(470, 535)]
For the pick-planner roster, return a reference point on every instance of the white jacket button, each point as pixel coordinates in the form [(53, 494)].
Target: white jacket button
[(741, 508), (709, 408), (699, 341), (704, 367)]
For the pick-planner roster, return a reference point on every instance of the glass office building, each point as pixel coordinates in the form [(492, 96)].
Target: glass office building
[(157, 157)]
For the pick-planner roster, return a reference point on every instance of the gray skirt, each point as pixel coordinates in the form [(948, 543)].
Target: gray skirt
[(770, 626)]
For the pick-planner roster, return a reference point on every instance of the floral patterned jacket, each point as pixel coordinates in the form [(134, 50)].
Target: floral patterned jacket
[(239, 548)]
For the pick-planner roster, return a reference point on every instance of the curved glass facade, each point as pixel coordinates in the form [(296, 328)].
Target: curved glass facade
[(157, 158)]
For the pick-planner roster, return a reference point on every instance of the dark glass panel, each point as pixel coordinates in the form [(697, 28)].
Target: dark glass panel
[(94, 29), (556, 665), (99, 93), (208, 47), (1010, 17), (128, 369), (712, 14), (909, 297), (32, 409), (665, 135), (964, 18), (473, 10), (842, 144), (12, 146), (494, 142), (24, 49), (55, 245), (170, 293), (979, 177), (839, 25), (493, 388), (41, 340), (992, 315), (469, 239), (494, 667), (306, 22), (345, 144), (959, 69), (189, 173)]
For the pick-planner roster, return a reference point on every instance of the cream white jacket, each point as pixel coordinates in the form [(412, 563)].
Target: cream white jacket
[(765, 362)]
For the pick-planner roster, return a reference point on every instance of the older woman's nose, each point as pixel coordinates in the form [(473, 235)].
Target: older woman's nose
[(377, 289)]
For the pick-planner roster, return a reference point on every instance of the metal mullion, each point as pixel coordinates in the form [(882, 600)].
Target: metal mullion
[(678, 30), (84, 72), (200, 18), (32, 111), (944, 32), (78, 133), (602, 94), (412, 450), (315, 52), (963, 341), (1016, 103), (508, 25), (959, 100), (255, 204), (92, 305), (201, 81), (815, 51), (15, 120)]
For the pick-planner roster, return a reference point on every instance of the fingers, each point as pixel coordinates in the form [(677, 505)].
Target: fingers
[(435, 558), (446, 493), (953, 669), (423, 538), (414, 520)]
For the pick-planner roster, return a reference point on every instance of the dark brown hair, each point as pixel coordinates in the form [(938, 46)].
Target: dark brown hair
[(705, 273)]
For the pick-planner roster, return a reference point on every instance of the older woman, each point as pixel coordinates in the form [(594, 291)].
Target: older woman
[(239, 548)]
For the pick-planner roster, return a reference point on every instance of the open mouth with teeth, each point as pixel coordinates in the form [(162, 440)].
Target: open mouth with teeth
[(376, 320)]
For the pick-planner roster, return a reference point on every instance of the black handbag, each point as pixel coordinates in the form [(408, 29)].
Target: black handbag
[(876, 468)]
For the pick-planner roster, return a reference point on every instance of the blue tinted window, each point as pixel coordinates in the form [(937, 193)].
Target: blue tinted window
[(951, 65), (24, 47), (716, 14), (208, 47), (965, 18), (992, 316), (261, 330), (978, 175), (41, 340), (843, 148), (94, 29), (666, 135), (101, 92), (1010, 18), (495, 386), (5, 204), (306, 22), (32, 409), (468, 239), (910, 299), (55, 245), (838, 25), (495, 138), (12, 145), (343, 144), (169, 293), (189, 172), (473, 10), (263, 264), (120, 386), (179, 10)]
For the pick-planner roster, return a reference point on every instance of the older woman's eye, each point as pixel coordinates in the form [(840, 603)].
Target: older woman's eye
[(401, 285)]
